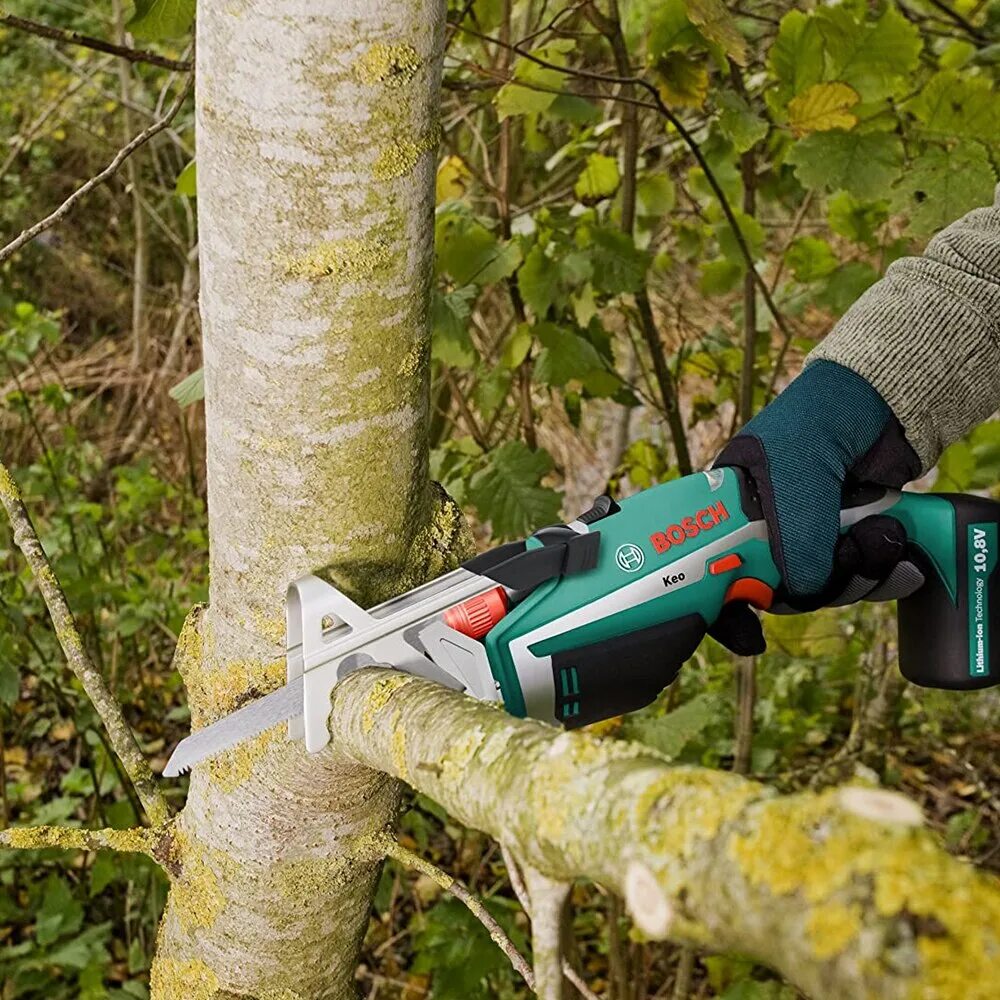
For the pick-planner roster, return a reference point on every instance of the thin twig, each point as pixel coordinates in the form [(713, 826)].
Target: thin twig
[(97, 44), (120, 735), (393, 849), (120, 157), (685, 971), (139, 840), (954, 15)]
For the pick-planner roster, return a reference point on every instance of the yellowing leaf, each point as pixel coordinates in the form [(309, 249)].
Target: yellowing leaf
[(683, 80), (821, 107), (598, 179), (717, 25), (62, 731), (452, 179)]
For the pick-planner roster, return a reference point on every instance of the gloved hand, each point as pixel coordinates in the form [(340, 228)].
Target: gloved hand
[(828, 431)]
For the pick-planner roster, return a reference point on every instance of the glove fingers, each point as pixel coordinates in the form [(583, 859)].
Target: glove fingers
[(868, 564), (906, 579), (739, 630), (870, 548)]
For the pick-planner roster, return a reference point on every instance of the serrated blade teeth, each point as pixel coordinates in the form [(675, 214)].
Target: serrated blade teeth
[(279, 706)]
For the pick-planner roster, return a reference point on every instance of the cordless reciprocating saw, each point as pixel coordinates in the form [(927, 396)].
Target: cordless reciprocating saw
[(588, 620)]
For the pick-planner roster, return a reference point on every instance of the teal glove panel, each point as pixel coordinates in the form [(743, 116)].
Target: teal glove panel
[(827, 430)]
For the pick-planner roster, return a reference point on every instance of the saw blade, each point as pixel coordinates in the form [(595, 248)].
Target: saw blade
[(261, 714)]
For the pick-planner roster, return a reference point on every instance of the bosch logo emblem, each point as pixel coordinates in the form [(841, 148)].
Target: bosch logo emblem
[(629, 557)]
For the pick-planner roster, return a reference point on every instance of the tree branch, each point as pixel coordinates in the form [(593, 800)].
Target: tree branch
[(153, 842), (120, 157), (548, 913), (97, 44), (822, 887), (393, 849), (521, 891), (106, 705)]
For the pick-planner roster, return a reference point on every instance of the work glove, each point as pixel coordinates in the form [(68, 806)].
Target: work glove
[(806, 453)]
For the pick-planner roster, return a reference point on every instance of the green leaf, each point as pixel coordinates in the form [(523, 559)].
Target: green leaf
[(599, 179), (796, 57), (941, 185), (957, 105), (450, 342), (863, 163), (60, 913), (856, 220), (739, 124), (155, 19), (534, 88), (469, 252), (574, 109), (718, 277), (811, 258), (672, 732), (670, 29), (619, 267), (565, 355), (845, 285), (103, 872), (190, 389), (713, 19), (517, 345), (10, 682), (753, 234), (187, 181), (508, 491), (457, 950), (875, 58), (955, 468), (655, 195), (538, 281)]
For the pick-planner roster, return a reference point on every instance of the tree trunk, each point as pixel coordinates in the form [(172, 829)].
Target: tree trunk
[(316, 130)]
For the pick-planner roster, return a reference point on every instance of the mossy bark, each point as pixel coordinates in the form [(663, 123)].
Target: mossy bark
[(843, 892), (316, 124)]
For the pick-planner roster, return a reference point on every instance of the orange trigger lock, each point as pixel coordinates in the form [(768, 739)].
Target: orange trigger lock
[(751, 590)]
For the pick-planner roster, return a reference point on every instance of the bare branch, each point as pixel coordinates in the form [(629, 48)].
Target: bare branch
[(393, 849), (97, 44), (120, 735), (120, 157)]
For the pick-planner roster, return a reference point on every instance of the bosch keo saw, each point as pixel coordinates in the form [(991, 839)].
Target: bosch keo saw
[(592, 619)]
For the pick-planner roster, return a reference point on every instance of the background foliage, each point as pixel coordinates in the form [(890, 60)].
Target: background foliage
[(648, 211)]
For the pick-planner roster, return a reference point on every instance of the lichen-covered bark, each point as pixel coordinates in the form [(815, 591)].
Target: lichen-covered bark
[(843, 892), (315, 129)]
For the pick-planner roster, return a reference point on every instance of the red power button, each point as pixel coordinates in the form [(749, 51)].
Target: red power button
[(476, 616)]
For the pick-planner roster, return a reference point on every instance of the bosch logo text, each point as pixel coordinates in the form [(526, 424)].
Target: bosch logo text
[(677, 534)]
